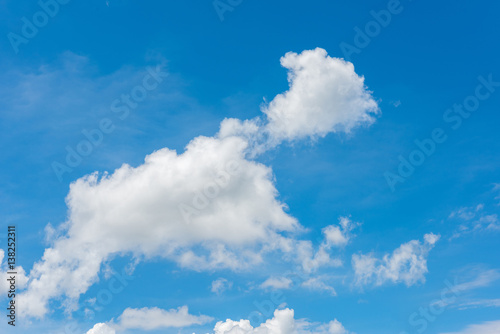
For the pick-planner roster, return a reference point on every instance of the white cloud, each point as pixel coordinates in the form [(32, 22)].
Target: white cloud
[(250, 130), (333, 236), (210, 207), (335, 327), (482, 279), (283, 322), (482, 303), (101, 328), (156, 318), (467, 213), (407, 264), (311, 260), (490, 327), (472, 278), (473, 219), (317, 284), (277, 283), (339, 236), (148, 319), (136, 210), (20, 277), (325, 95), (220, 285)]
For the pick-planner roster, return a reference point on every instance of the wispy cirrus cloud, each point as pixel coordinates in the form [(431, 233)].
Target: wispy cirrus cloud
[(318, 284), (479, 303), (473, 220), (489, 327)]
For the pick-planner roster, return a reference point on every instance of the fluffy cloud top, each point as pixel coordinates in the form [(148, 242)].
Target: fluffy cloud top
[(101, 328), (407, 264), (325, 95), (283, 322), (209, 196)]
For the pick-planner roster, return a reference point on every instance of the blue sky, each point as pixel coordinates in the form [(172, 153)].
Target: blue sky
[(320, 189)]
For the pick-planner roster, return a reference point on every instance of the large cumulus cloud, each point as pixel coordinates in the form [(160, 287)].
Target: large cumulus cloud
[(212, 206)]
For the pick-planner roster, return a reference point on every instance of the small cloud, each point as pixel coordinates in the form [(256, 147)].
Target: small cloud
[(473, 219), (339, 235), (277, 283), (407, 264), (220, 285), (317, 284), (154, 318)]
